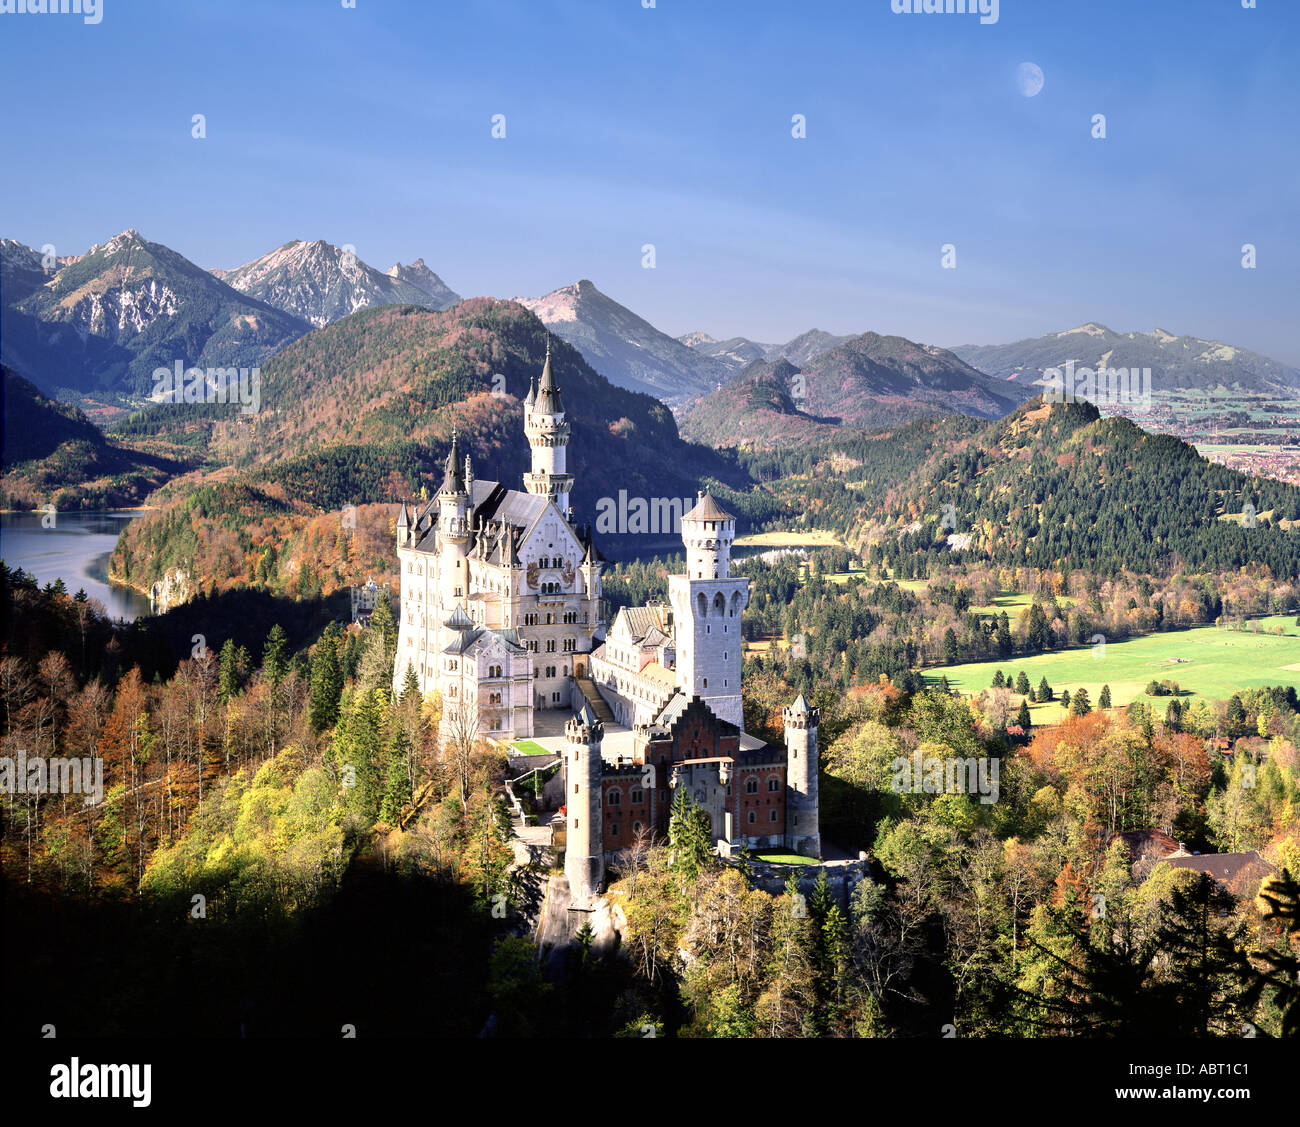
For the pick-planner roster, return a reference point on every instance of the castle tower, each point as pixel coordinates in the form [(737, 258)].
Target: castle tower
[(548, 435), (584, 851), (708, 602), (453, 531), (802, 825)]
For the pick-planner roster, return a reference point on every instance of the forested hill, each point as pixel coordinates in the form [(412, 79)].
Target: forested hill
[(1060, 487), (361, 412)]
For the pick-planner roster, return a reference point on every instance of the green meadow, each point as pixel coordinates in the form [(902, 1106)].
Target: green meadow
[(1207, 661)]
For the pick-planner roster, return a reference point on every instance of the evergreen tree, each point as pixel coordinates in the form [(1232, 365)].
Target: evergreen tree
[(275, 656), (1022, 683), (1044, 690), (1065, 698), (1022, 717), (1103, 701), (326, 682), (1079, 703), (998, 679), (689, 833), (949, 647), (227, 672)]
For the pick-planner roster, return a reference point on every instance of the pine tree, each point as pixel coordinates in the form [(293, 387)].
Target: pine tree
[(1022, 683), (1103, 701), (227, 672), (326, 679), (1065, 699), (1022, 717), (998, 679), (689, 833), (1079, 703), (275, 656), (1044, 690)]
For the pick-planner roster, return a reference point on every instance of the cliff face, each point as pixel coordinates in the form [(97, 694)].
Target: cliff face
[(174, 588)]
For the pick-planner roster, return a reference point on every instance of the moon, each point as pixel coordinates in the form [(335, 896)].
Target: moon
[(1029, 77)]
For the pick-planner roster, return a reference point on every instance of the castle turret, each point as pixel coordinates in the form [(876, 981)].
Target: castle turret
[(584, 850), (802, 818), (708, 602), (548, 435), (453, 530)]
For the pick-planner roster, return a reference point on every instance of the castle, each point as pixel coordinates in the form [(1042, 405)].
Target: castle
[(501, 615)]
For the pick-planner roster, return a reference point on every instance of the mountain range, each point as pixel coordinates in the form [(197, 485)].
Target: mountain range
[(739, 352), (320, 283), (99, 324), (624, 348), (866, 381), (1176, 362)]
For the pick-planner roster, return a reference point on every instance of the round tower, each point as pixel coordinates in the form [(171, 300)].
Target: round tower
[(708, 602), (453, 531), (802, 824), (708, 532), (584, 850), (548, 436)]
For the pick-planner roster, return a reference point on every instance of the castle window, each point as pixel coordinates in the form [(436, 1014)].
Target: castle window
[(772, 784), (575, 785), (706, 682), (614, 798), (751, 786), (613, 830), (773, 817), (753, 817), (636, 827), (637, 795)]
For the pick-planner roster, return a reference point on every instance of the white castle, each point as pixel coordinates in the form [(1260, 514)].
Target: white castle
[(500, 614)]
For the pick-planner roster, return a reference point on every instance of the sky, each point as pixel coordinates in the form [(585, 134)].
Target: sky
[(671, 126)]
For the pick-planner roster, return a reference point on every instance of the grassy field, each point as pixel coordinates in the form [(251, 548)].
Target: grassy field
[(1206, 661), (810, 538)]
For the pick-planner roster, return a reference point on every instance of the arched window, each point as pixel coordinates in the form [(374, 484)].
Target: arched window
[(772, 784), (751, 786), (719, 605)]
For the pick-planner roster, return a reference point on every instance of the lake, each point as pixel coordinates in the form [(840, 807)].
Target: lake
[(75, 550)]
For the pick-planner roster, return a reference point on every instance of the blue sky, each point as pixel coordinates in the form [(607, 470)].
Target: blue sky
[(672, 126)]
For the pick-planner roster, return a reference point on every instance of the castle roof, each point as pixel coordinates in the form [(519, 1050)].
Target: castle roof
[(453, 480), (459, 620), (642, 622), (471, 642), (706, 508), (548, 394), (531, 397), (800, 706), (584, 715)]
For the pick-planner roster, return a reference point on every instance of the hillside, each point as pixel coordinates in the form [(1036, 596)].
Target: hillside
[(1061, 487), (867, 382), (757, 409), (320, 283), (1175, 361), (361, 412), (53, 454), (103, 323), (624, 348)]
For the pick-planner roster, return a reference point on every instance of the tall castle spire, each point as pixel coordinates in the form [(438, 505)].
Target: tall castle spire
[(548, 435)]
